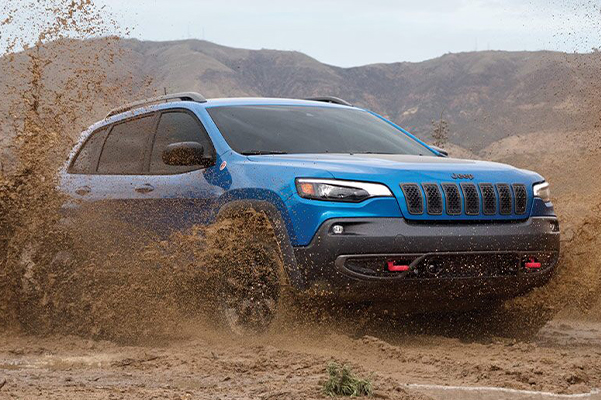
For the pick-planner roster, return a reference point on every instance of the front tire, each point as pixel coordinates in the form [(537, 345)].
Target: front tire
[(251, 279)]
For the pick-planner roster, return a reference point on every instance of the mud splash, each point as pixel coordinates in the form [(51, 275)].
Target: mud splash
[(50, 92)]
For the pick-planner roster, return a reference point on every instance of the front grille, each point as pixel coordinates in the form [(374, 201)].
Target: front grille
[(521, 198), (433, 198), (504, 198), (414, 198), (471, 198), (451, 193), (489, 199), (465, 199)]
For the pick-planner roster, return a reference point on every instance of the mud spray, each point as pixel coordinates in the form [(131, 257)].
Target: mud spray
[(53, 89), (55, 281)]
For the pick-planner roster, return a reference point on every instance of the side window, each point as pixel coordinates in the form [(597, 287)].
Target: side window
[(86, 160), (174, 127), (123, 152)]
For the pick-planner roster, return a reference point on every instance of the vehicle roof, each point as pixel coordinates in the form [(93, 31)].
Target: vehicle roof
[(218, 102), (236, 101)]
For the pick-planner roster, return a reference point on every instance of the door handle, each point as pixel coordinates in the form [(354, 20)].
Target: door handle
[(83, 190), (145, 188)]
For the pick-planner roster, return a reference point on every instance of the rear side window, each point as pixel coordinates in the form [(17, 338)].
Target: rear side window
[(175, 127), (123, 152), (87, 158)]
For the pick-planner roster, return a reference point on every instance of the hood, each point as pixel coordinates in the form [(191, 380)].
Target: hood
[(394, 170)]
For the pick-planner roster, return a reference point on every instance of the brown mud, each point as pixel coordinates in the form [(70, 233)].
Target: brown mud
[(564, 358), (97, 316)]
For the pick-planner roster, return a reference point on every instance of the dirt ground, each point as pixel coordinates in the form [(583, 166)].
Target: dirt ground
[(565, 358)]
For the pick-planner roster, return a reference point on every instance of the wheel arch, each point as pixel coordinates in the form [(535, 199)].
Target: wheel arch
[(278, 223)]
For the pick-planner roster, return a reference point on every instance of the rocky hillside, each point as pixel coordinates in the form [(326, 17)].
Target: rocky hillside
[(486, 96)]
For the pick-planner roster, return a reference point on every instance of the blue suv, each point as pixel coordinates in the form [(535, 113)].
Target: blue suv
[(361, 210)]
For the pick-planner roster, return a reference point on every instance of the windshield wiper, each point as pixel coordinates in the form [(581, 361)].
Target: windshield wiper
[(261, 152)]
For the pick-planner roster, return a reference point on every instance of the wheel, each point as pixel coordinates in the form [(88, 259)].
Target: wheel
[(251, 274)]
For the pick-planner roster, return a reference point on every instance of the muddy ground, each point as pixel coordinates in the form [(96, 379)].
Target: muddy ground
[(564, 358)]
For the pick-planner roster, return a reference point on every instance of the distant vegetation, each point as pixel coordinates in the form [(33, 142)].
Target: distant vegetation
[(440, 131)]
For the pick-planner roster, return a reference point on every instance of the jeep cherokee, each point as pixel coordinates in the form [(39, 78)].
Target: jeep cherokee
[(363, 211)]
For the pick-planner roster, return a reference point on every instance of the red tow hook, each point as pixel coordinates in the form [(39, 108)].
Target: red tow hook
[(532, 263), (392, 267)]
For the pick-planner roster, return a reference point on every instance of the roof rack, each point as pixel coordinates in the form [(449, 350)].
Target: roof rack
[(185, 96), (330, 99)]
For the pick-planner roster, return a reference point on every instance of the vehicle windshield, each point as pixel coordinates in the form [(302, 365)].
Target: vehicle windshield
[(308, 130)]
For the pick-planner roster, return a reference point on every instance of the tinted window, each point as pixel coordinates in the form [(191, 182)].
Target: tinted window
[(297, 129), (123, 152), (86, 160), (176, 127)]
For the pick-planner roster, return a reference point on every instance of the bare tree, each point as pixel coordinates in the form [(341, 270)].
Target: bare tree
[(440, 131)]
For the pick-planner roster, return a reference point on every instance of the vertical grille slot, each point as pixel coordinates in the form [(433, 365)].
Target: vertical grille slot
[(521, 198), (471, 198), (433, 198), (453, 198), (413, 197), (489, 199), (504, 198)]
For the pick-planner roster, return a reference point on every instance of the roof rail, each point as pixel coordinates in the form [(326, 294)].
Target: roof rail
[(185, 96), (330, 99)]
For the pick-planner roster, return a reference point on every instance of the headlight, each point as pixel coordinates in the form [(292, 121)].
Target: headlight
[(338, 190), (542, 191)]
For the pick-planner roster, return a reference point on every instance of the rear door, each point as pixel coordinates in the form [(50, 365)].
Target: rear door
[(117, 184), (102, 180), (78, 179)]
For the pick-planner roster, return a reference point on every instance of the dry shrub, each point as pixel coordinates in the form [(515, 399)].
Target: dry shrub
[(343, 382)]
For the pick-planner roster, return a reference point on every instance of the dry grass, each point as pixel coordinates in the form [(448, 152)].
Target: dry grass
[(342, 382)]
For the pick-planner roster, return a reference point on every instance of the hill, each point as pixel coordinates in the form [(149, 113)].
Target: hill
[(485, 96)]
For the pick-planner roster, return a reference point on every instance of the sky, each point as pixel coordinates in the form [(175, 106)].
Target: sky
[(357, 32)]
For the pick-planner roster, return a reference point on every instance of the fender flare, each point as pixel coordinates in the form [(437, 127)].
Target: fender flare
[(294, 274)]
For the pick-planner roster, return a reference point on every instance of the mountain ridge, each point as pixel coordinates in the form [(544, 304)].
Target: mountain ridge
[(485, 96)]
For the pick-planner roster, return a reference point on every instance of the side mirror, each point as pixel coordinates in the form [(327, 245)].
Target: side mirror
[(443, 152), (184, 154)]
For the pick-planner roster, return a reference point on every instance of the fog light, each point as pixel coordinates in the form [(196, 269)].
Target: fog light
[(337, 229)]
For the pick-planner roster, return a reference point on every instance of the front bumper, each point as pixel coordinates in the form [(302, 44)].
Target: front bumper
[(449, 263)]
